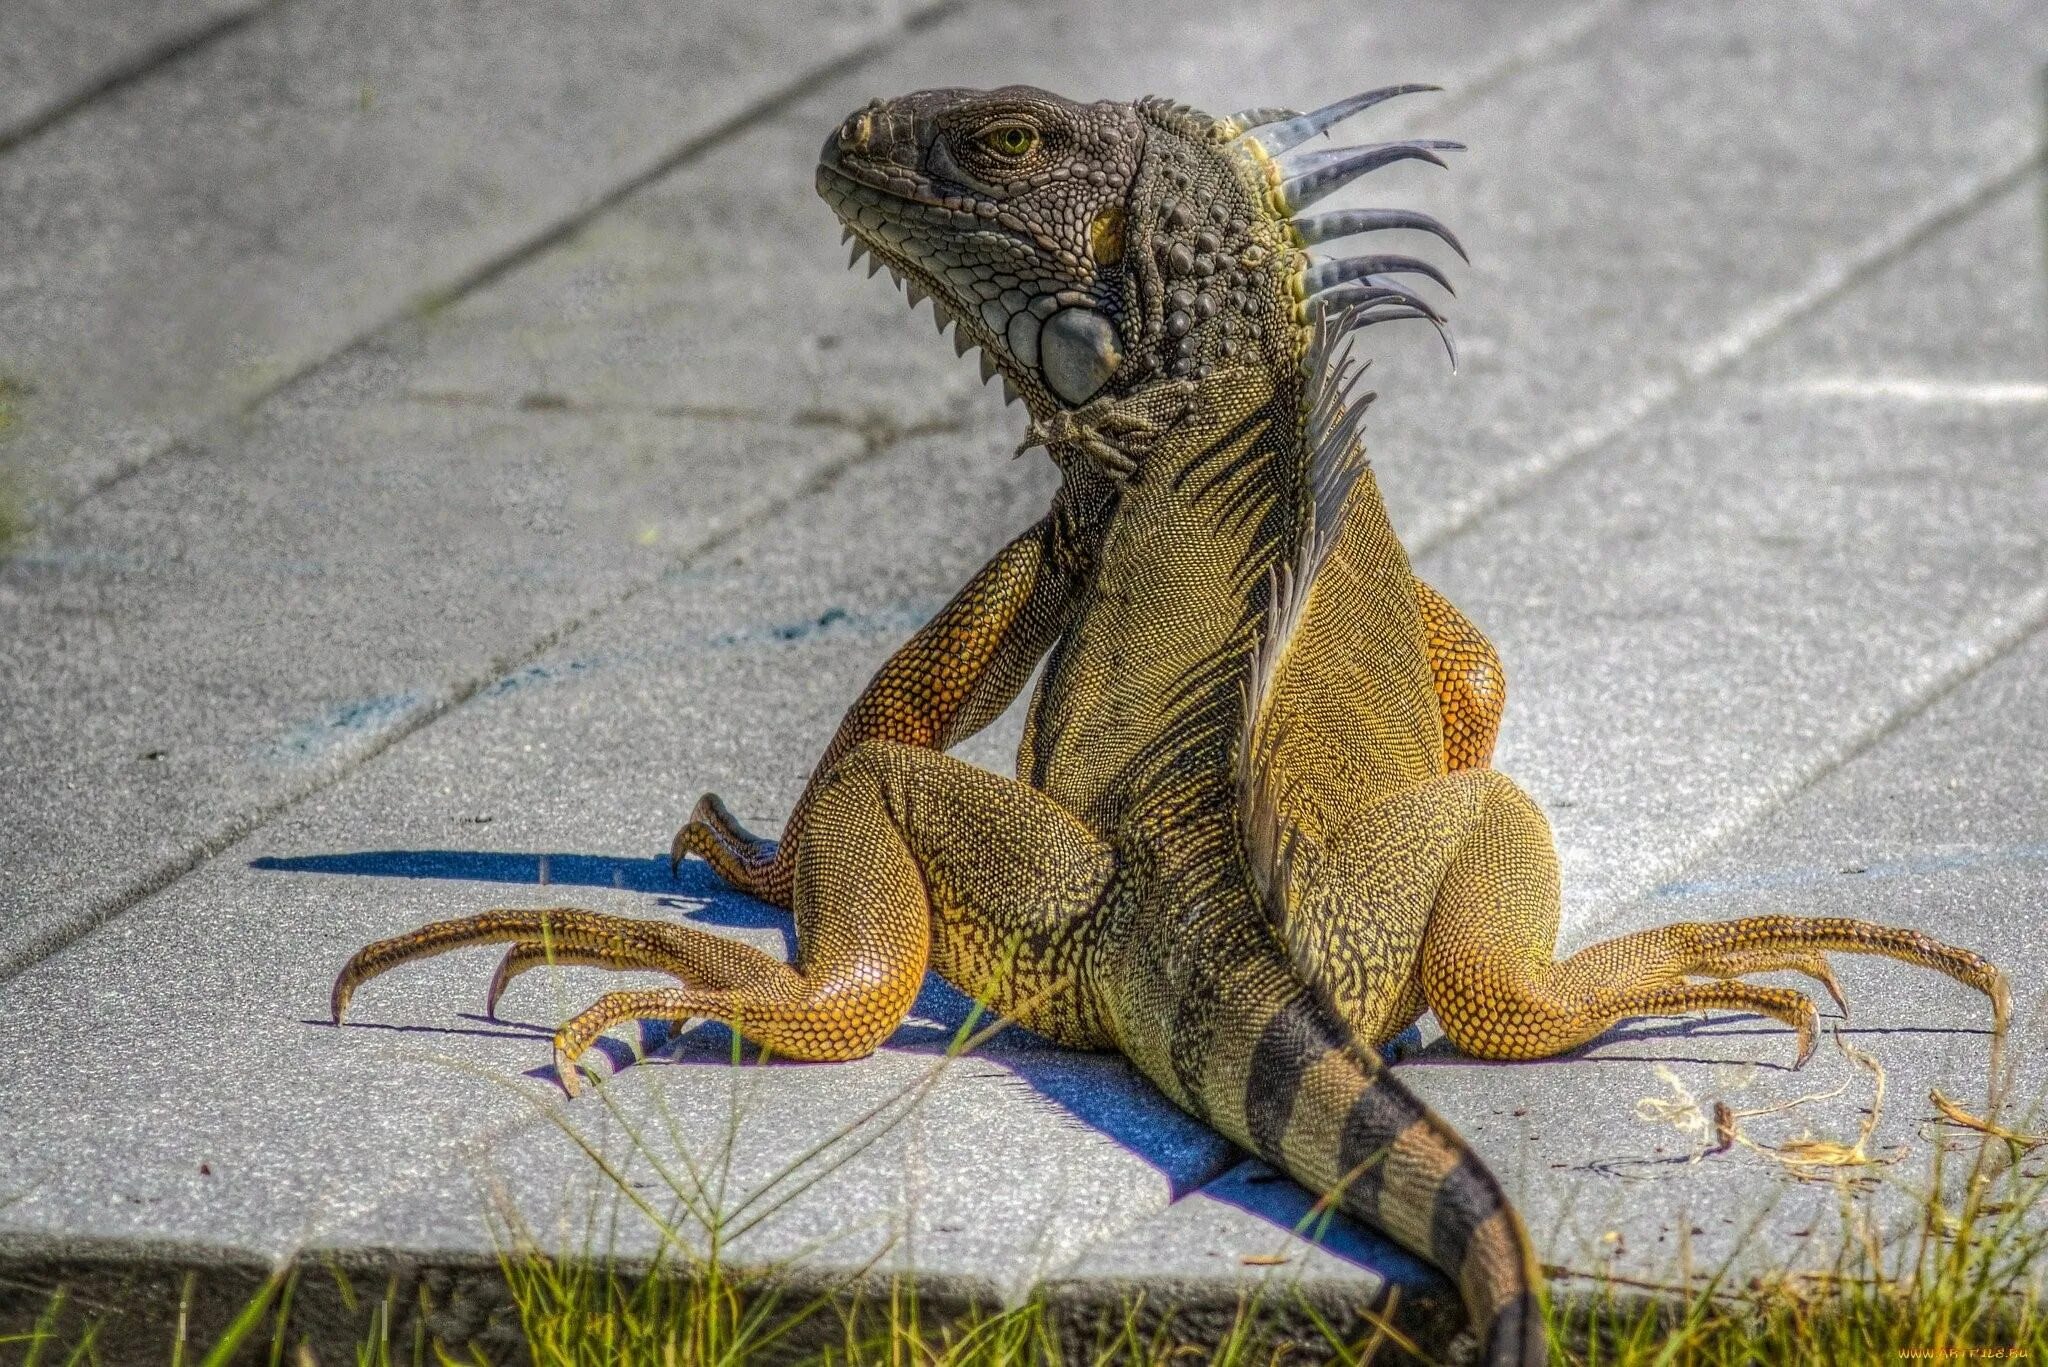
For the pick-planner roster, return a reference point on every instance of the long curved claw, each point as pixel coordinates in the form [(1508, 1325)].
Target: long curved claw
[(710, 816), (566, 1070), (381, 956), (1808, 1026), (712, 811), (577, 1034), (1824, 973), (715, 835), (522, 956)]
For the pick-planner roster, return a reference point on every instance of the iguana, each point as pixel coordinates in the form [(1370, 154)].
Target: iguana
[(1237, 848)]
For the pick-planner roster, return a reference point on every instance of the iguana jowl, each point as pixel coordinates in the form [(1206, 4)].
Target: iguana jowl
[(1249, 841)]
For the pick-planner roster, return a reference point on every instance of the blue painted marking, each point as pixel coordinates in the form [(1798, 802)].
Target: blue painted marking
[(835, 621), (542, 673), (311, 739), (341, 724)]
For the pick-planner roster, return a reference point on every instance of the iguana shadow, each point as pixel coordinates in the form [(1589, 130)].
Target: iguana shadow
[(1101, 1091)]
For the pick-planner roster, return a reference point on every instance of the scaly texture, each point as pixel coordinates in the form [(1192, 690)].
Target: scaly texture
[(1252, 837)]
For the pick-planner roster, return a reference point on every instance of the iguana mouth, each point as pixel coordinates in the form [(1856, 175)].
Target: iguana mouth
[(957, 212), (847, 194), (877, 218)]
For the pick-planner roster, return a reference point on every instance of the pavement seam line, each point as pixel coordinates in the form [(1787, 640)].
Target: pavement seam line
[(2010, 625), (813, 484), (1547, 41), (495, 267), (1691, 370), (132, 71)]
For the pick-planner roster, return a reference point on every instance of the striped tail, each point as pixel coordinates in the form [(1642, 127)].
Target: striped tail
[(1338, 1122)]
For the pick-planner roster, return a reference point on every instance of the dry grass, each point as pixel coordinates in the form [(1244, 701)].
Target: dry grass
[(1968, 1283)]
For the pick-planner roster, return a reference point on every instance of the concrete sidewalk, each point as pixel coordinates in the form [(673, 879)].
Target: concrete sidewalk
[(455, 445)]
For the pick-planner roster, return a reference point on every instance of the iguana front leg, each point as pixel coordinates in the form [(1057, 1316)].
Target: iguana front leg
[(908, 858), (953, 677)]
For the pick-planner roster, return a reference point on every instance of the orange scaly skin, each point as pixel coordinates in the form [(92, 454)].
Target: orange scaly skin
[(1252, 836)]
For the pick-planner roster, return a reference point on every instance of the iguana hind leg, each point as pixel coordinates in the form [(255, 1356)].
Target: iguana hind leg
[(1487, 964), (1644, 973), (904, 846)]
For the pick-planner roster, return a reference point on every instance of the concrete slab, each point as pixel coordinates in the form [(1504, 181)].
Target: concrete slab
[(190, 243), (188, 659), (1662, 196), (1769, 574), (1252, 1238)]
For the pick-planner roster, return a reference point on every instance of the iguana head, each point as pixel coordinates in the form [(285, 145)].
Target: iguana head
[(1091, 250)]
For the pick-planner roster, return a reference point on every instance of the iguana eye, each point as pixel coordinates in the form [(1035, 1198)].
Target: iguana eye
[(1011, 140)]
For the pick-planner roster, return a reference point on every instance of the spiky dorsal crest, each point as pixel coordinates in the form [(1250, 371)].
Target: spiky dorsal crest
[(1176, 117), (1333, 300), (1333, 413), (1287, 177), (1243, 121)]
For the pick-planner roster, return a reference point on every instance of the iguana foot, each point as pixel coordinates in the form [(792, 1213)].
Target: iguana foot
[(1743, 963), (791, 1022), (842, 1013), (1799, 944), (1114, 432), (1557, 1008), (745, 861)]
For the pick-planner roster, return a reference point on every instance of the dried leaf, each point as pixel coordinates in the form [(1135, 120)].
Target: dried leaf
[(1807, 1155), (1956, 1115), (1724, 1127), (1680, 1110), (1263, 1259), (1809, 1151)]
